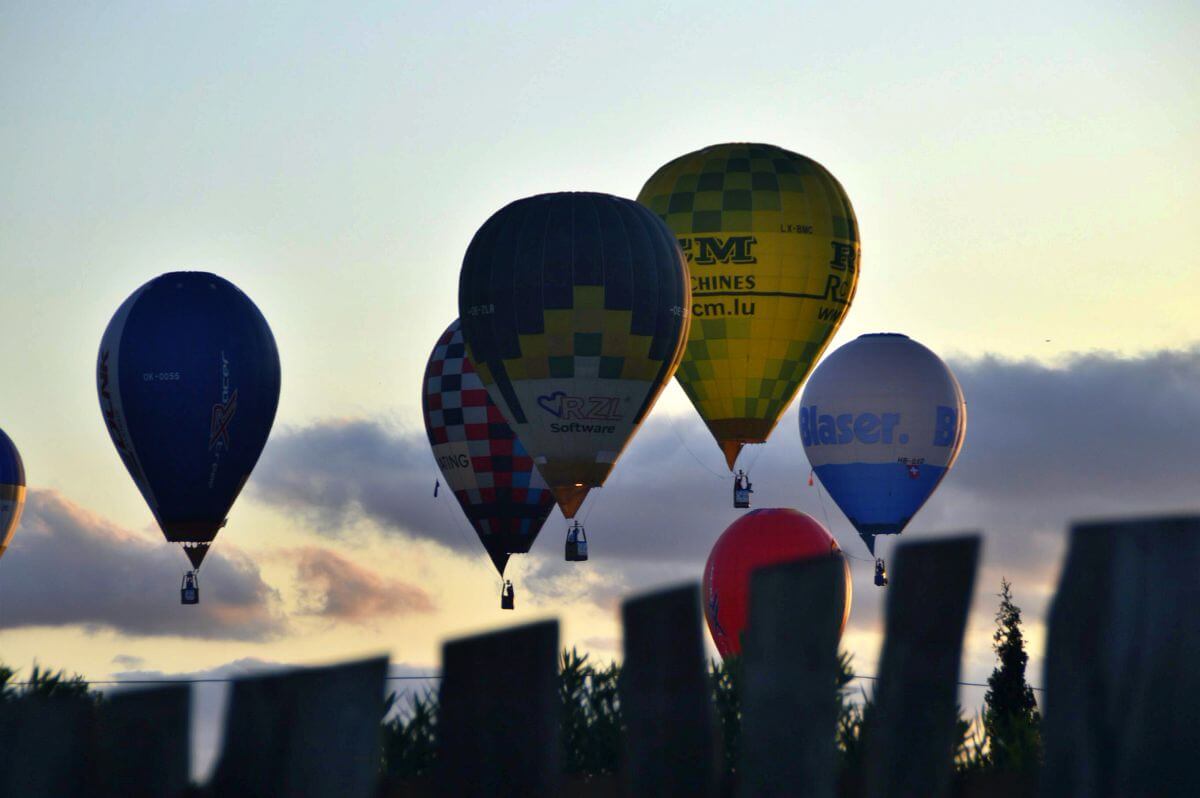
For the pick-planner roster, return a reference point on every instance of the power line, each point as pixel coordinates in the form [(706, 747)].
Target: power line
[(430, 676), (225, 680), (960, 684)]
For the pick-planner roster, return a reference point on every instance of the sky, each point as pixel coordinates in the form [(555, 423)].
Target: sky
[(1024, 179)]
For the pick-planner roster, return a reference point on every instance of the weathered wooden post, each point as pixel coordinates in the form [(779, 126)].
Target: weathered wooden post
[(672, 747), (912, 728), (499, 713), (1121, 677), (45, 746), (1076, 736), (143, 743), (308, 733), (790, 662)]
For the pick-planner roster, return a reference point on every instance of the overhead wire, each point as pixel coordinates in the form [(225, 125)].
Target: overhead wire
[(428, 677), (212, 680)]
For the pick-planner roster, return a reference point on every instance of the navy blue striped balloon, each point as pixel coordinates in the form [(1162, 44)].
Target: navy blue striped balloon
[(188, 378)]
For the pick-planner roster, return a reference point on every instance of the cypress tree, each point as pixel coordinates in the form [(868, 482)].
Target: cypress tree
[(1010, 717)]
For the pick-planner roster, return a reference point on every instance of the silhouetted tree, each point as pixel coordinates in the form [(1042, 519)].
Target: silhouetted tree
[(43, 684), (592, 728), (409, 738), (1011, 719)]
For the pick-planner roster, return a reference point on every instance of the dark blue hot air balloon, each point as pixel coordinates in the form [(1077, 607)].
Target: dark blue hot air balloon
[(188, 377), (12, 490)]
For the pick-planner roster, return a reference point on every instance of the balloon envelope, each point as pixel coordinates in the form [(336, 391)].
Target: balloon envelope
[(188, 379), (772, 244), (882, 420), (492, 476), (757, 539), (574, 312), (12, 490)]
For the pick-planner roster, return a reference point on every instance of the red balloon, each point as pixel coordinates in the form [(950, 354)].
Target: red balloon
[(758, 538)]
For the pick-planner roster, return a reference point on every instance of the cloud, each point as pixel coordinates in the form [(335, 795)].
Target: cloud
[(1095, 435), (336, 474), (67, 566), (333, 587), (128, 661)]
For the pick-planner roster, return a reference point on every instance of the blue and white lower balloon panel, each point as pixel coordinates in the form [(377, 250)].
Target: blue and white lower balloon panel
[(880, 498)]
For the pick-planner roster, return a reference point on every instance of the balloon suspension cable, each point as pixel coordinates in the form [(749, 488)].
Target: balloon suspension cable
[(456, 522), (587, 512), (688, 449), (828, 525), (756, 452)]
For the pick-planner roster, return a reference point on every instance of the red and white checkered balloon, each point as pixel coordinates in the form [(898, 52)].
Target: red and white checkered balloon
[(491, 474)]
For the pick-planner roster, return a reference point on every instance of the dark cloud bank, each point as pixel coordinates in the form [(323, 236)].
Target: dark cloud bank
[(1098, 435), (69, 567)]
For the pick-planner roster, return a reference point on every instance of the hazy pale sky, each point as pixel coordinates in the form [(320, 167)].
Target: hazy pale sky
[(1025, 180)]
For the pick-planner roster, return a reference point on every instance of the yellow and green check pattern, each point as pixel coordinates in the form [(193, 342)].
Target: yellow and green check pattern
[(772, 247), (586, 340)]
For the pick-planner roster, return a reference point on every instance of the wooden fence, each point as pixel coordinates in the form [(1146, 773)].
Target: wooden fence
[(1121, 703)]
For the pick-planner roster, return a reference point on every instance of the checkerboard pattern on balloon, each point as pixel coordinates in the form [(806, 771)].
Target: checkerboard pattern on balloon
[(509, 497), (747, 187), (772, 248)]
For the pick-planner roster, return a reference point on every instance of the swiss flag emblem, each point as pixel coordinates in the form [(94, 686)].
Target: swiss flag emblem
[(914, 471)]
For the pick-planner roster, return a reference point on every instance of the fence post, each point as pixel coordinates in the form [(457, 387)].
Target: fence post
[(1122, 685), (790, 662), (912, 728), (672, 745), (45, 746), (498, 716), (308, 732), (143, 743)]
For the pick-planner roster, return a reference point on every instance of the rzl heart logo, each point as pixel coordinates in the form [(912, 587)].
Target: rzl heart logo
[(552, 403)]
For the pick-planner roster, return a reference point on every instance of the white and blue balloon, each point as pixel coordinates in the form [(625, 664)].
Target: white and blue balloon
[(882, 420)]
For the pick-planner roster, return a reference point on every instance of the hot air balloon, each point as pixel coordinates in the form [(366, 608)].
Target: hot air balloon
[(12, 490), (757, 539), (882, 420), (492, 476), (188, 378), (574, 312), (772, 245)]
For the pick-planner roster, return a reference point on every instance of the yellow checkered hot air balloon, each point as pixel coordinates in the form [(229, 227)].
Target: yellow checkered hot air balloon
[(772, 247)]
